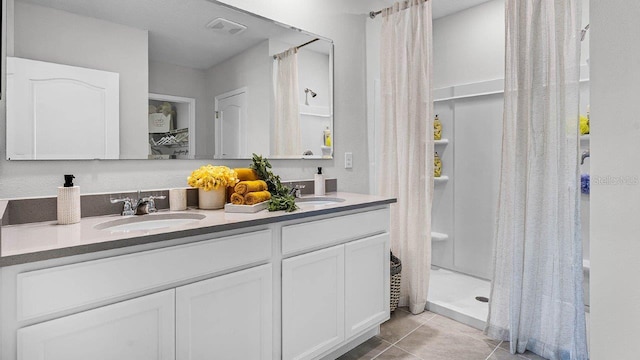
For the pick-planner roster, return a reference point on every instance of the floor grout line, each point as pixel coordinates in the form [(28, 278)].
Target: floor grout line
[(494, 350), (423, 322), (402, 338), (382, 352)]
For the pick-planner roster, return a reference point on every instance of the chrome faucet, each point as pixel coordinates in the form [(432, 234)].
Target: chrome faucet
[(140, 206), (295, 191), (585, 154)]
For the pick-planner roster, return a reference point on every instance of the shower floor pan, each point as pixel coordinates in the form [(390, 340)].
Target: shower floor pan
[(453, 295)]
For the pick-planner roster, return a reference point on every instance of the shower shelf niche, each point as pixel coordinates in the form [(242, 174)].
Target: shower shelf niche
[(440, 180), (436, 236), (441, 142)]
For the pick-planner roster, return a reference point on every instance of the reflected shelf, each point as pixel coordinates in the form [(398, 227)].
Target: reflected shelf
[(440, 180), (436, 236)]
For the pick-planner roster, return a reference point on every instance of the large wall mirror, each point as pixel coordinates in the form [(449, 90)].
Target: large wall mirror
[(163, 79)]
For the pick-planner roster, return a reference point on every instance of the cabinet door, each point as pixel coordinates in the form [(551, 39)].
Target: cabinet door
[(366, 283), (137, 329), (227, 317), (312, 303)]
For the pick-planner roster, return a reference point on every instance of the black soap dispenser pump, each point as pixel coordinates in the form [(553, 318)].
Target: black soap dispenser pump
[(68, 202), (318, 183)]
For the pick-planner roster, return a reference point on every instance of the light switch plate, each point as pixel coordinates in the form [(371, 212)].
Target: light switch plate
[(348, 160)]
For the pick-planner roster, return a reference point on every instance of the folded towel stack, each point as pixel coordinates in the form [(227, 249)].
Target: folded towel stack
[(246, 174), (249, 190), (245, 187), (256, 197)]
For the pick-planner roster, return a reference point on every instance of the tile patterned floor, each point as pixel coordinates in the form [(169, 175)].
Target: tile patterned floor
[(428, 336)]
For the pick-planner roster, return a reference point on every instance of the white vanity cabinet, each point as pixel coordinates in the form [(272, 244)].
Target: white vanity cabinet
[(306, 287), (332, 295), (312, 303), (367, 279), (211, 295), (137, 329), (228, 317)]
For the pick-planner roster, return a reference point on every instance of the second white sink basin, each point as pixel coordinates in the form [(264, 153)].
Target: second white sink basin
[(149, 222), (318, 200)]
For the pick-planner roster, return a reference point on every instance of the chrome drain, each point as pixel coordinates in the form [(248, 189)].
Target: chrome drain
[(482, 299)]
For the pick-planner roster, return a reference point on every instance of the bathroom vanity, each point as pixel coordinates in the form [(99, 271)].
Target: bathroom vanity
[(304, 285)]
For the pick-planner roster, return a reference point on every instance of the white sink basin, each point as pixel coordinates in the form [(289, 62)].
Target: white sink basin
[(148, 222), (318, 200)]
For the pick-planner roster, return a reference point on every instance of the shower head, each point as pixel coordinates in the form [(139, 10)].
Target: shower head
[(583, 32), (308, 91)]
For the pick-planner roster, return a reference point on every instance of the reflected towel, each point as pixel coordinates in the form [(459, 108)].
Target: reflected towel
[(585, 186), (244, 187), (237, 199), (256, 197), (246, 174)]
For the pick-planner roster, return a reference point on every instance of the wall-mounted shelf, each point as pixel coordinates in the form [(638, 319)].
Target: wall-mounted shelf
[(436, 236), (441, 142), (184, 123), (440, 180)]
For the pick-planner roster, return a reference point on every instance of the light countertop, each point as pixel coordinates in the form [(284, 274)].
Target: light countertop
[(46, 240)]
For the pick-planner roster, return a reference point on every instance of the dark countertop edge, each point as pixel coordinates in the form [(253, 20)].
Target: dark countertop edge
[(146, 239)]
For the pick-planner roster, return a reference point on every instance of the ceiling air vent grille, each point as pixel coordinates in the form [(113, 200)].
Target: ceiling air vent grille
[(226, 26)]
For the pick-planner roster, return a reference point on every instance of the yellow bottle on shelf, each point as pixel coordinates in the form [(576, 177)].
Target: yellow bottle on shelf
[(437, 128), (437, 166), (327, 136)]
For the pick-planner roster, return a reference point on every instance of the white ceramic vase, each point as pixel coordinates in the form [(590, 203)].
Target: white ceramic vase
[(211, 200)]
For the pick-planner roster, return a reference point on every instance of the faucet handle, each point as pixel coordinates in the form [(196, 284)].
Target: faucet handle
[(127, 207), (295, 191), (151, 204), (115, 201)]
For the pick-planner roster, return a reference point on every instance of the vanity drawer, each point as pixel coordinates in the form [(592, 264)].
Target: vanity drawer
[(316, 234), (48, 291)]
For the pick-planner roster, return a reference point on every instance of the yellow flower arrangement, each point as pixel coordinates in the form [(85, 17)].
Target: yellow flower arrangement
[(211, 177)]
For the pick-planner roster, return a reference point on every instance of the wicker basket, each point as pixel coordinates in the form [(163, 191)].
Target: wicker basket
[(396, 277)]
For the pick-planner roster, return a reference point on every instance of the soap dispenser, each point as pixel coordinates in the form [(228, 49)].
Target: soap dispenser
[(437, 128), (437, 166), (68, 202), (318, 183)]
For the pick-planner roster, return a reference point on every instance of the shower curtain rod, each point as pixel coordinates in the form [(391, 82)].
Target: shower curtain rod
[(373, 14), (299, 46)]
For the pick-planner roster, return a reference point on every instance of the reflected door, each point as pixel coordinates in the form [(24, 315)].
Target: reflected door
[(61, 112), (231, 124)]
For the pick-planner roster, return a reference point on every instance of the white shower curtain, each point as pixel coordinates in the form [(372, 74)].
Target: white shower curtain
[(286, 112), (406, 163), (536, 297)]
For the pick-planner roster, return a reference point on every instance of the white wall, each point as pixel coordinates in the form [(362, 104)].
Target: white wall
[(39, 178), (615, 206), (313, 73), (60, 37), (169, 79), (468, 46), (250, 69)]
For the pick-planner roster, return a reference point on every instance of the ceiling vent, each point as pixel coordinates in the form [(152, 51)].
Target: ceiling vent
[(225, 26)]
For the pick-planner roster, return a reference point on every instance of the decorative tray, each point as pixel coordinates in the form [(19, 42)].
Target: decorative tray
[(232, 208)]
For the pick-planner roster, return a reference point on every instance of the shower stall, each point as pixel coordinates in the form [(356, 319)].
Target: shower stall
[(468, 48)]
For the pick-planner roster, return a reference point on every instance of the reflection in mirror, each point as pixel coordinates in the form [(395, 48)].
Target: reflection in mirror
[(197, 79)]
